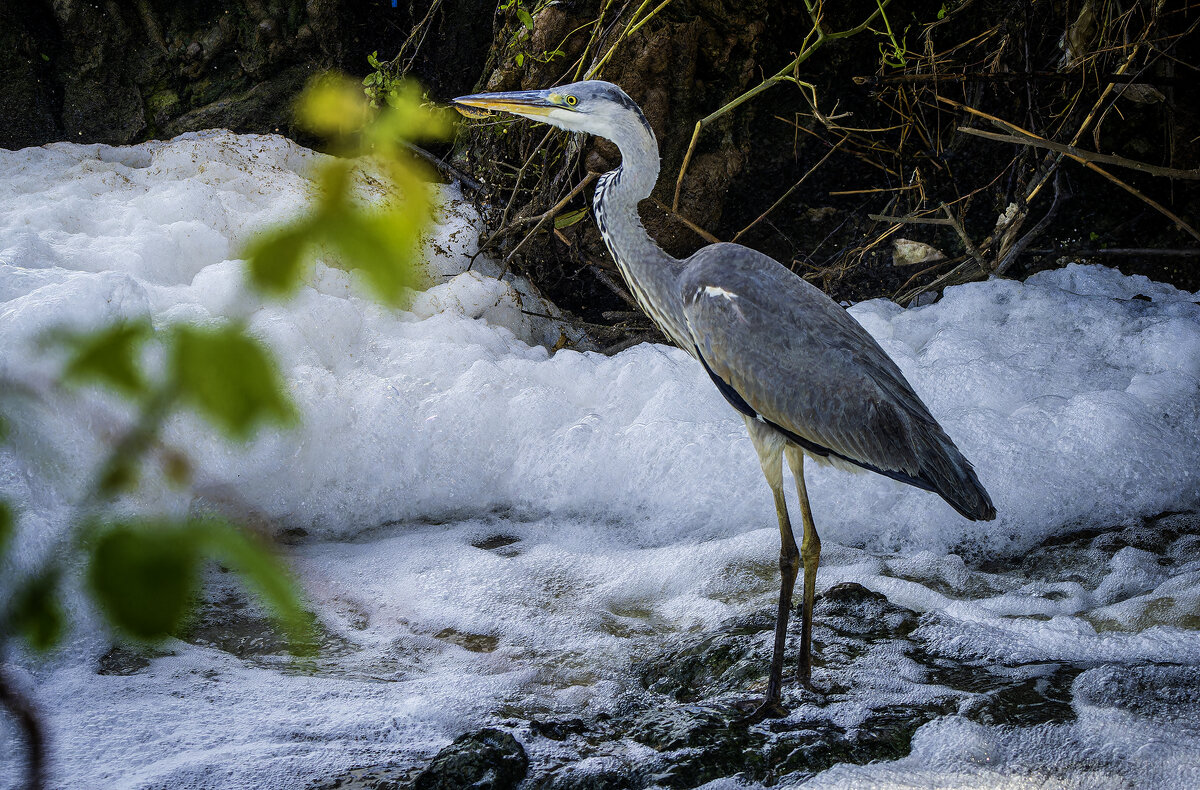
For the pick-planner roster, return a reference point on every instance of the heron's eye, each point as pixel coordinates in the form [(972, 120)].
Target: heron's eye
[(571, 101)]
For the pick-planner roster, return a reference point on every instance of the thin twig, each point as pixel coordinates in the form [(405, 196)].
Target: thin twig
[(783, 75), (566, 319), (1166, 212), (1149, 252), (541, 219), (923, 272), (910, 220), (790, 190), (1080, 155), (692, 226), (1011, 256), (599, 23), (1053, 76), (521, 173), (629, 30), (966, 240), (614, 286), (444, 167)]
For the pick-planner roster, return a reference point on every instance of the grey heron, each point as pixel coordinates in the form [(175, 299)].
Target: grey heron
[(805, 376)]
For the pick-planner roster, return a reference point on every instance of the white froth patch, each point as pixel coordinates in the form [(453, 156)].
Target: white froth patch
[(636, 497)]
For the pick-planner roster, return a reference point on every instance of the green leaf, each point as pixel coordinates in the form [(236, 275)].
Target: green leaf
[(144, 577), (520, 59), (229, 378), (8, 524), (121, 474), (36, 614), (384, 247), (276, 259), (263, 574), (525, 18), (570, 218), (109, 357)]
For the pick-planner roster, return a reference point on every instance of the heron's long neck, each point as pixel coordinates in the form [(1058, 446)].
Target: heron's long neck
[(649, 271)]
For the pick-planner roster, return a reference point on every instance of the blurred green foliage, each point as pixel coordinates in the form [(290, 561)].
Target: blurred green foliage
[(229, 377), (381, 241), (144, 575), (34, 613), (109, 357)]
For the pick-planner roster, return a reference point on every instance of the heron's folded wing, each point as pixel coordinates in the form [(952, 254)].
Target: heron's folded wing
[(800, 361)]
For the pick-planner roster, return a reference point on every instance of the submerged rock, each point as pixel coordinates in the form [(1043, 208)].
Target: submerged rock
[(875, 683), (382, 777), (485, 760), (120, 660)]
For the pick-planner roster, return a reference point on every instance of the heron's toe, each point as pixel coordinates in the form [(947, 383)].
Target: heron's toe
[(767, 709)]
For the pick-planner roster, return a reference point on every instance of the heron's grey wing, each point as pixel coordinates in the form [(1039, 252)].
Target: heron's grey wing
[(798, 361)]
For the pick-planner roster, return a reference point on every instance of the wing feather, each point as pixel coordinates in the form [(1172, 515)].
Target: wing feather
[(803, 364)]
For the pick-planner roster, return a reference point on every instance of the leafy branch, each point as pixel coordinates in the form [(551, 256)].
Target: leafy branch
[(143, 575), (816, 38)]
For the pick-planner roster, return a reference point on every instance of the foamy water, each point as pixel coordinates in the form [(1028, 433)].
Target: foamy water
[(626, 495)]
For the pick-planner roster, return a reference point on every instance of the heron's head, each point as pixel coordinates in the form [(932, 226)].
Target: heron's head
[(591, 106)]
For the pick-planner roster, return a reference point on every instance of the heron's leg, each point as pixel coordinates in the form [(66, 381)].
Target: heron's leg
[(789, 565), (769, 446), (810, 553)]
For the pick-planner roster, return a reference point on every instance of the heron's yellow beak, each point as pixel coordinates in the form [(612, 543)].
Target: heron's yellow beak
[(528, 104)]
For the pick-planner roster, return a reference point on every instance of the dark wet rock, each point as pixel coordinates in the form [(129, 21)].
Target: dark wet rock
[(232, 624), (719, 672), (230, 621), (607, 775), (1043, 696), (1082, 555), (700, 743), (1185, 549), (485, 760), (1147, 537), (558, 730), (503, 545), (1151, 691), (717, 663), (496, 542), (852, 609), (476, 643), (848, 617), (691, 722), (374, 778), (677, 727), (125, 661)]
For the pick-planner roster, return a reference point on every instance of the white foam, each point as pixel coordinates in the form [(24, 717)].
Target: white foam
[(638, 500)]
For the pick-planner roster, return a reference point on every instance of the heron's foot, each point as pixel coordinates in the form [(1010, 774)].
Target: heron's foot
[(810, 691), (767, 709), (804, 678)]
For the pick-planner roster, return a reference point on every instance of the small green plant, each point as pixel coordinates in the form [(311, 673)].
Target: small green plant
[(517, 43), (143, 575), (894, 52), (381, 83)]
